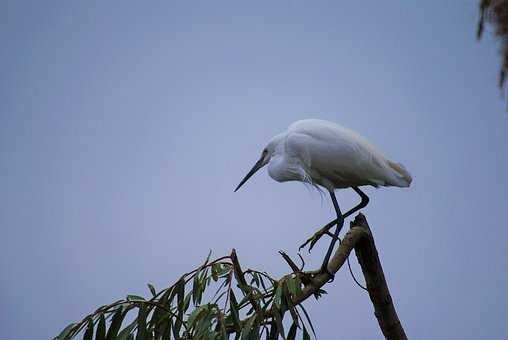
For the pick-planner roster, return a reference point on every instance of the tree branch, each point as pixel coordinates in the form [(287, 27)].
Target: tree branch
[(237, 270), (265, 308), (360, 238)]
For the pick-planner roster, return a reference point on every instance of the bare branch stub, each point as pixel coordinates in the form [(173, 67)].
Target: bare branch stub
[(290, 262), (243, 283)]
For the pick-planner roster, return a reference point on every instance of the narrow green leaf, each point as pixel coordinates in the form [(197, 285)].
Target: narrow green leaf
[(233, 305), (221, 325), (160, 314), (246, 289), (123, 335), (186, 301), (224, 270), (273, 335), (221, 286), (135, 298), (292, 332), (250, 311), (215, 271), (116, 323), (278, 321), (176, 333), (308, 320), (196, 315), (152, 289), (278, 296), (288, 303), (167, 331), (306, 335), (142, 333), (286, 296), (174, 292), (100, 333), (180, 292), (254, 280), (294, 314), (160, 326), (255, 333), (262, 280), (219, 297), (203, 322), (199, 286), (208, 257), (89, 330), (247, 328), (298, 282), (257, 279), (65, 332), (195, 288), (291, 285)]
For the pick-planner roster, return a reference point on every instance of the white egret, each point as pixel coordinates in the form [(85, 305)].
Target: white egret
[(326, 154)]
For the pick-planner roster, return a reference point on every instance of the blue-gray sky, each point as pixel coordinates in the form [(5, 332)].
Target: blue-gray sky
[(125, 126)]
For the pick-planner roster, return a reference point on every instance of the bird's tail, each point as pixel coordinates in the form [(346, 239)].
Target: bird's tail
[(402, 177)]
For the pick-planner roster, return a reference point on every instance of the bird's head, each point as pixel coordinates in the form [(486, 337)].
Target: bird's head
[(266, 155)]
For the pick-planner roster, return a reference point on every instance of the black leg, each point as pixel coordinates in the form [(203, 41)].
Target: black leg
[(340, 223), (363, 203)]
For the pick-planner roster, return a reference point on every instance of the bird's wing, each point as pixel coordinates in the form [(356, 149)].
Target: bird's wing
[(337, 154)]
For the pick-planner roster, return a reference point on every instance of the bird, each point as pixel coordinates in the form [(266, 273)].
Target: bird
[(329, 156)]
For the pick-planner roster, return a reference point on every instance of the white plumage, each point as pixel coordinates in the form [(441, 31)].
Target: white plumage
[(326, 154)]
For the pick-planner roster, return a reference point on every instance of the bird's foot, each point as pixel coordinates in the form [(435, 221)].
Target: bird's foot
[(314, 238)]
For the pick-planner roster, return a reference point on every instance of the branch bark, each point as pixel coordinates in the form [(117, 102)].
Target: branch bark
[(359, 238), (267, 305), (377, 287)]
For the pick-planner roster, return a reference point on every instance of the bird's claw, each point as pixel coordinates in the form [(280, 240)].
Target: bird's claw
[(312, 240), (305, 243)]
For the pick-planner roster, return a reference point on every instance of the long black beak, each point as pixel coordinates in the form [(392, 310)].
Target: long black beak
[(259, 164)]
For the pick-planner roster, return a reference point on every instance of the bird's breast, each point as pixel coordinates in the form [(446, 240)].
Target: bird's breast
[(282, 169)]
